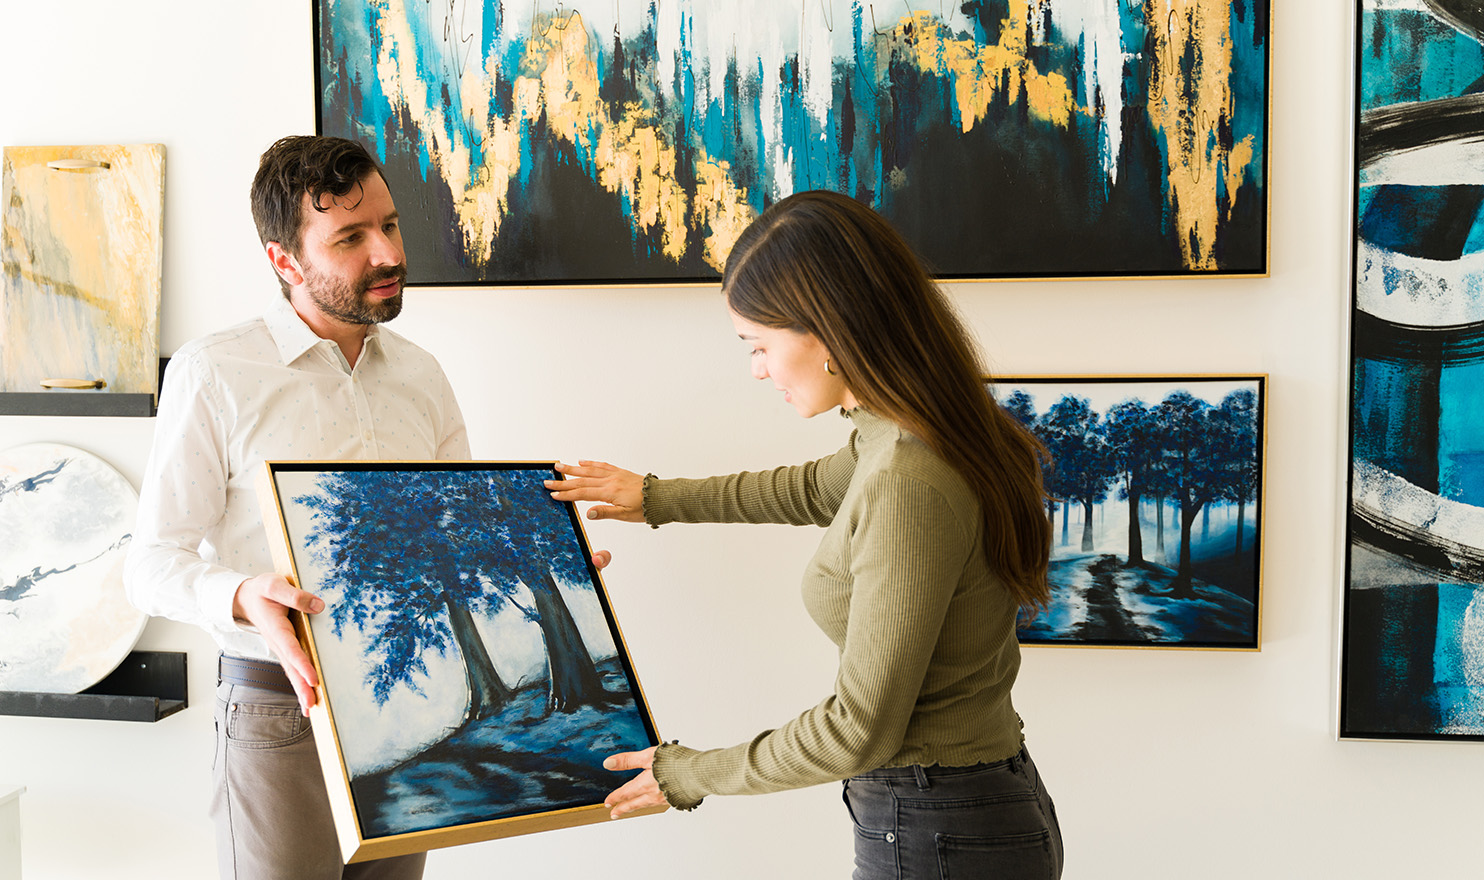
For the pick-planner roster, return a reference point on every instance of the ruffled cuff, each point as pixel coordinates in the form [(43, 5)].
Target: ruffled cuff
[(651, 503), (668, 769)]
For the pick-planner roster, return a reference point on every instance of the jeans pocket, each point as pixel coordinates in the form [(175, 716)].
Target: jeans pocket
[(1020, 856), (875, 847), (254, 726)]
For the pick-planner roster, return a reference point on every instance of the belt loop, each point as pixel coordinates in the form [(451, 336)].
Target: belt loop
[(922, 777), (1017, 760)]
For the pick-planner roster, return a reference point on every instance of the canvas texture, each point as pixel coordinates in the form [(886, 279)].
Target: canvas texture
[(634, 141)]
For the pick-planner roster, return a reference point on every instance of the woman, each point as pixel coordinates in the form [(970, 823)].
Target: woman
[(935, 536)]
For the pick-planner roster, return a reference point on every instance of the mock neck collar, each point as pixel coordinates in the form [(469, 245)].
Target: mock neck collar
[(868, 423)]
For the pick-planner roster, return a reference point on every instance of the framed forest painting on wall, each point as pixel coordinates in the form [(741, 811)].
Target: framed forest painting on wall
[(473, 677), (630, 141), (1156, 487), (1413, 642)]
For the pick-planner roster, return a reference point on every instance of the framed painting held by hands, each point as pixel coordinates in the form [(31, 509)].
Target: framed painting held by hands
[(472, 674)]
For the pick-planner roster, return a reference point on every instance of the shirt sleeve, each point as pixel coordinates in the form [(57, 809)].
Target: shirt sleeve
[(908, 552), (799, 495), (183, 494), (453, 438)]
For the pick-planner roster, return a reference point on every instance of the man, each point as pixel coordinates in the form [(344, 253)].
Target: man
[(313, 378)]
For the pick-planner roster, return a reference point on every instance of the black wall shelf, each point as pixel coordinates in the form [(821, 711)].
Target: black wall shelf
[(147, 686), (77, 402)]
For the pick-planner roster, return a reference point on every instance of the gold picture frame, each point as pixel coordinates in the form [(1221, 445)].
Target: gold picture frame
[(1124, 448), (472, 673)]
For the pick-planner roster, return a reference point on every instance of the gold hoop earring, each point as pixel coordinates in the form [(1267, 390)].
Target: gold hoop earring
[(827, 367)]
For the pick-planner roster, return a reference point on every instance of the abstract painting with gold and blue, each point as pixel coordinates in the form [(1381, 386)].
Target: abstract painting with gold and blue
[(627, 142)]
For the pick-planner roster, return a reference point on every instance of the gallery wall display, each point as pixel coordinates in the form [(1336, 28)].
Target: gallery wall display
[(473, 674), (1413, 665), (81, 247), (66, 517), (1156, 486), (631, 142)]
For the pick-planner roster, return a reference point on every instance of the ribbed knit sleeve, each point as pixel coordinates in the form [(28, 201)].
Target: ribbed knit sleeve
[(799, 495)]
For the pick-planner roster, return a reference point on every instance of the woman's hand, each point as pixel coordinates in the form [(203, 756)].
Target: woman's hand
[(619, 493), (641, 791)]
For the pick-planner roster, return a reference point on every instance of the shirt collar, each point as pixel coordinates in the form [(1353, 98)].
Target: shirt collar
[(293, 337)]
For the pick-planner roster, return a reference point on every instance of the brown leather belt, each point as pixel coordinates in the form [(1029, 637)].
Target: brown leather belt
[(266, 674)]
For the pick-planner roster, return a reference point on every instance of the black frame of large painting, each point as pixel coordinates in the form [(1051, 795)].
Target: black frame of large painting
[(990, 192), (1413, 559)]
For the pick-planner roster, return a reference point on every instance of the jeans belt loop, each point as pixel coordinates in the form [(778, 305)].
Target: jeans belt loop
[(922, 778)]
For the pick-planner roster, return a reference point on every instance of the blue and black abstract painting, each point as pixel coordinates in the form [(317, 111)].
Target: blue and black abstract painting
[(473, 669), (1155, 498), (633, 140), (1413, 664)]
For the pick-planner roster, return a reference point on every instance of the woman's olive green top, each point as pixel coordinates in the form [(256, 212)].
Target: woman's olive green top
[(925, 630)]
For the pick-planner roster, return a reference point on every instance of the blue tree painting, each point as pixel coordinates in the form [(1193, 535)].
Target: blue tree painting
[(1413, 665), (472, 666), (633, 140), (1154, 489)]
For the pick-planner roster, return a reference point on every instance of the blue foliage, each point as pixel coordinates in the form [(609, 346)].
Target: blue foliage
[(403, 547)]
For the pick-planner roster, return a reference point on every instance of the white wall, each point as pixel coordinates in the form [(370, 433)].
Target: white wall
[(1163, 764)]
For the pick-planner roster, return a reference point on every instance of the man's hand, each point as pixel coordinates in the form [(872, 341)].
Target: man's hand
[(264, 602)]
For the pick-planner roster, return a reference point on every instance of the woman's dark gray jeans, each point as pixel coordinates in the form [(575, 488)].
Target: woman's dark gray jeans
[(985, 822)]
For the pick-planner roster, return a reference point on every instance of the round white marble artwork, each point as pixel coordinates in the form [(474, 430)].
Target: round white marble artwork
[(66, 517)]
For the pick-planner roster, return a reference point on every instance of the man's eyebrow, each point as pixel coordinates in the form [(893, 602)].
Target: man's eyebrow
[(351, 227)]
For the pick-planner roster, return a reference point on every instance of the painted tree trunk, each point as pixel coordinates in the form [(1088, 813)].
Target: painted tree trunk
[(1184, 572), (1241, 521), (1135, 531), (574, 677), (1159, 528), (1086, 526), (487, 693)]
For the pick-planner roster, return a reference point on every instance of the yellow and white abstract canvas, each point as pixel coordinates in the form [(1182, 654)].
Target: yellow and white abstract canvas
[(82, 251)]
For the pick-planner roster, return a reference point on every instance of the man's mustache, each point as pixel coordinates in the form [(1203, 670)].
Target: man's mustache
[(396, 273)]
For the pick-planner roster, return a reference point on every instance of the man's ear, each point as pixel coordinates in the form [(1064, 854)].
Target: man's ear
[(284, 263)]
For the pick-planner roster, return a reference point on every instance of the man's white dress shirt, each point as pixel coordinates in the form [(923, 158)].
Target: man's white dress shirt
[(267, 389)]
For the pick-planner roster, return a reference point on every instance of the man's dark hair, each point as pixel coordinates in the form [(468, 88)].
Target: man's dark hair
[(301, 164)]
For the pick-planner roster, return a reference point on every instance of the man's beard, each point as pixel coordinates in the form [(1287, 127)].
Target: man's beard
[(349, 301)]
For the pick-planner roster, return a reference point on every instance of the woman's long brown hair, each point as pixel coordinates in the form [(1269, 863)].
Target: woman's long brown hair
[(823, 263)]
